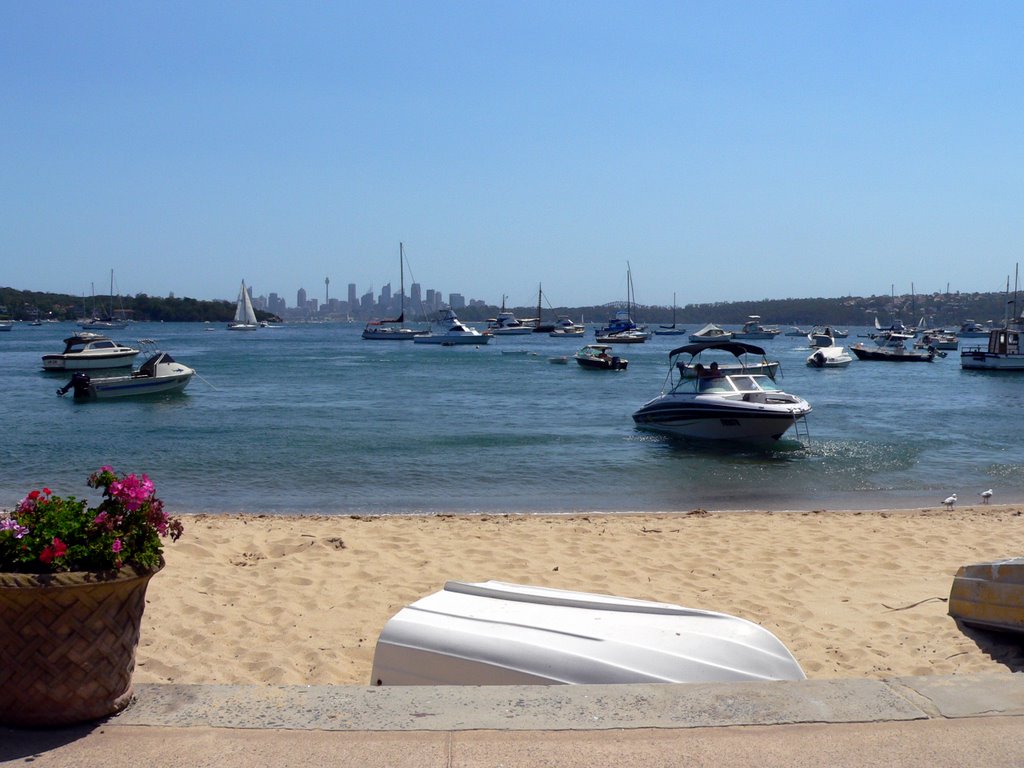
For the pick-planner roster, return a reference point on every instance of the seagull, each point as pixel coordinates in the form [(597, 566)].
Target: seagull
[(950, 501), (985, 496)]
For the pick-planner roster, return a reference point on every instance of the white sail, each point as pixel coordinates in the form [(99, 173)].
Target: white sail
[(244, 312), (245, 316)]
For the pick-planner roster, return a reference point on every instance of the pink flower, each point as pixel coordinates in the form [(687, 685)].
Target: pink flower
[(116, 546)]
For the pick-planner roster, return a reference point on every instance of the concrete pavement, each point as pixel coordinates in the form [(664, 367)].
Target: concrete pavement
[(920, 721)]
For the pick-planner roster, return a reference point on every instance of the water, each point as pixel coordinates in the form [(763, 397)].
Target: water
[(313, 419)]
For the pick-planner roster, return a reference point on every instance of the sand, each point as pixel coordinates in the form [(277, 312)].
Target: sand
[(301, 600)]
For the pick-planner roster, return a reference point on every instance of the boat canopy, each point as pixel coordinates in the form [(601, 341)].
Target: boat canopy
[(737, 348)]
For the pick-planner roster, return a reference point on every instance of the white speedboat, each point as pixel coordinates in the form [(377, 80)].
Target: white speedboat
[(829, 357), (493, 633), (160, 374), (710, 332), (599, 357), (752, 330), (454, 332), (972, 330), (566, 328), (88, 351), (245, 315), (506, 324), (740, 407), (893, 348), (1003, 353), (821, 337)]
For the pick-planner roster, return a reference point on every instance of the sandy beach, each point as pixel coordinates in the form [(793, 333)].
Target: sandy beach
[(301, 600)]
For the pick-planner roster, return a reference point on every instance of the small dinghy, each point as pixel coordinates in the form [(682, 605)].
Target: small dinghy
[(493, 633), (990, 595)]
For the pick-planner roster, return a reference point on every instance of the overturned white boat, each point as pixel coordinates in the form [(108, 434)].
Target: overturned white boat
[(493, 633)]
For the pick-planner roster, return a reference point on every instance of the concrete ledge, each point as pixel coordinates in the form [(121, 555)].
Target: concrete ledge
[(572, 708)]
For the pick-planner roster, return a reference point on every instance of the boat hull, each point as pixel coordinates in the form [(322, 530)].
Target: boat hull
[(889, 355), (391, 334), (449, 341), (990, 595), (987, 361), (739, 421), (104, 389), (88, 362), (507, 634)]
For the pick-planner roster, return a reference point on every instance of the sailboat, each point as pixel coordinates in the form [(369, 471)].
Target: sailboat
[(106, 321), (621, 329), (671, 330), (245, 316), (393, 330)]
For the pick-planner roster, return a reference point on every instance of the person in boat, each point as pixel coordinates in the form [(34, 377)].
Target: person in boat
[(699, 370), (713, 370)]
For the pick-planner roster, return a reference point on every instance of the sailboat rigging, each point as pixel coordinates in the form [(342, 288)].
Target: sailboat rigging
[(386, 330), (107, 319)]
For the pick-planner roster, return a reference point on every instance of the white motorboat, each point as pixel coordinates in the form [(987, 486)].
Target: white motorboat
[(394, 330), (454, 332), (599, 357), (752, 330), (821, 337), (972, 330), (1003, 353), (829, 357), (710, 332), (6, 325), (937, 338), (737, 406), (493, 633), (506, 324), (160, 374), (88, 351), (566, 328), (245, 315), (892, 347)]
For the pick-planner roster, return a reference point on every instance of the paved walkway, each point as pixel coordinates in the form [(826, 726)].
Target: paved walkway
[(921, 721)]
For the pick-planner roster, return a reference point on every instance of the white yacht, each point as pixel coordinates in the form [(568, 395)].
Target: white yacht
[(506, 324), (245, 315), (753, 330), (90, 351), (711, 332), (453, 331), (737, 406)]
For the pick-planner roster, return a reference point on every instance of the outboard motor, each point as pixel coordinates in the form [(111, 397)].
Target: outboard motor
[(616, 362), (79, 382)]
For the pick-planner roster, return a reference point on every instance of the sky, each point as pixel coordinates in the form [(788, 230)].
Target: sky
[(724, 151)]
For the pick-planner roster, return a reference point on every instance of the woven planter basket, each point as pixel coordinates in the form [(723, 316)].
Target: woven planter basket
[(67, 645)]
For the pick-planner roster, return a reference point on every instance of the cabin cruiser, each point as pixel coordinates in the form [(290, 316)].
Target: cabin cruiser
[(161, 373), (506, 324), (1003, 353), (710, 332), (939, 338), (90, 351), (705, 404), (495, 633), (829, 357), (598, 357), (565, 327), (972, 330), (893, 347), (455, 332), (752, 330), (821, 337)]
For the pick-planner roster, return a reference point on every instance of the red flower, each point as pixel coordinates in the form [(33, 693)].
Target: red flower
[(52, 551), (33, 495)]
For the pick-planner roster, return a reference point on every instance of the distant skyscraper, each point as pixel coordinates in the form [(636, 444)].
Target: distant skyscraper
[(351, 295), (415, 296), (456, 300), (300, 298)]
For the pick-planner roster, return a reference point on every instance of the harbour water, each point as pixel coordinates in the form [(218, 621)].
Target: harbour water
[(313, 419)]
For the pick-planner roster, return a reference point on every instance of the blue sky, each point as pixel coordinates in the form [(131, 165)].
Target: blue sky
[(726, 150)]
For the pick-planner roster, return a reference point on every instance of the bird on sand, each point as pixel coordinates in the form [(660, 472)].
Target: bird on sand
[(985, 496), (950, 501)]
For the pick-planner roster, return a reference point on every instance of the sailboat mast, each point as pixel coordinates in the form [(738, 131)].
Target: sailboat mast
[(401, 280)]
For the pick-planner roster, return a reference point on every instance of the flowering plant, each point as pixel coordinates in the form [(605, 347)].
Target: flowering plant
[(50, 534)]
